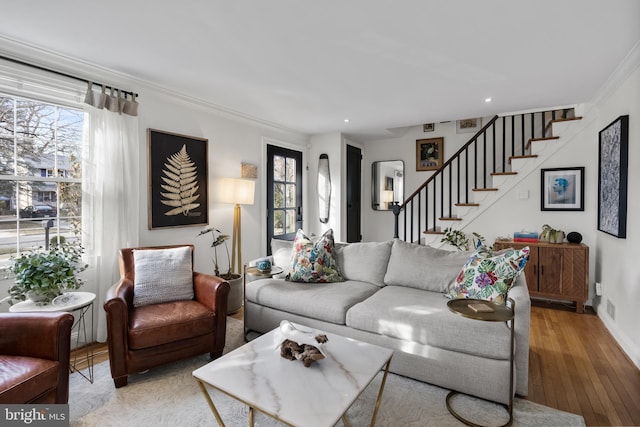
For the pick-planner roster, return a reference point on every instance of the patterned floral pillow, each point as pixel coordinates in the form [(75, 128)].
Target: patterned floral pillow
[(314, 262), (489, 276)]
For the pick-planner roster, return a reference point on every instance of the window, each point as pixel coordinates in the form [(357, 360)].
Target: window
[(40, 174)]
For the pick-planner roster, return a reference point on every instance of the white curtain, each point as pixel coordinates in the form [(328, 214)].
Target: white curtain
[(110, 199)]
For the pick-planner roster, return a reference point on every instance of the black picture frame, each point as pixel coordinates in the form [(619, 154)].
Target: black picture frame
[(613, 158), (562, 189), (178, 191)]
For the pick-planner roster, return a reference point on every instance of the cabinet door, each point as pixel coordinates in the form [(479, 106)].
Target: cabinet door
[(551, 270)]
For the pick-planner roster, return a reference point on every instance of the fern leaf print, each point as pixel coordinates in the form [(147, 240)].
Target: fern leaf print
[(180, 185)]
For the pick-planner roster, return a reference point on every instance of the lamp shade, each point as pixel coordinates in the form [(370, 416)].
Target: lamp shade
[(237, 191)]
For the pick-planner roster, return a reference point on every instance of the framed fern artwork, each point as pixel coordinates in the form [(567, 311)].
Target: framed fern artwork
[(178, 193)]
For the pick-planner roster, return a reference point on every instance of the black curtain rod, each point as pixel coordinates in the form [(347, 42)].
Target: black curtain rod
[(60, 73)]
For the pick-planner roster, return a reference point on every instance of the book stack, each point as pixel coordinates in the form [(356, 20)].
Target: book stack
[(525, 236)]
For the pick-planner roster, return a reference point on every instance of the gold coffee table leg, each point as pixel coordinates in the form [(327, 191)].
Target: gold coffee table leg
[(379, 399), (213, 407)]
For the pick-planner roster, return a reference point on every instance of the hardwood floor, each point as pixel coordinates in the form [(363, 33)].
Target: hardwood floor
[(574, 365)]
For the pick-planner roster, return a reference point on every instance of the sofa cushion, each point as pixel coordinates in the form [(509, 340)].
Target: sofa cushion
[(323, 301), (314, 262), (162, 275), (414, 315), (489, 276), (423, 267), (163, 323), (366, 262)]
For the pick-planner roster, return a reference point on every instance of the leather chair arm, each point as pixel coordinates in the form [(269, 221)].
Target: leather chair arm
[(118, 302), (45, 335), (211, 291)]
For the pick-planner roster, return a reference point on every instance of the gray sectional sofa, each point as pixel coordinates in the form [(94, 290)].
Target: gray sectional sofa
[(393, 296)]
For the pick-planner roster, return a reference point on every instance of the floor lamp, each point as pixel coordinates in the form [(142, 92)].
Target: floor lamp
[(239, 192)]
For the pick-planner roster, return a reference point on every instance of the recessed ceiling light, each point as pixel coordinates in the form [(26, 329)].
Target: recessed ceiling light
[(487, 100), (346, 120)]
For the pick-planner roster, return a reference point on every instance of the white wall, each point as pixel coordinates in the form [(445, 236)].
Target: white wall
[(616, 262), (231, 142)]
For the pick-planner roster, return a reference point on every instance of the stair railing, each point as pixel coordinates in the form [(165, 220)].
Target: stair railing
[(487, 153)]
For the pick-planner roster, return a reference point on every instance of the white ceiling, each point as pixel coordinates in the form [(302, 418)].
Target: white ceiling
[(308, 65)]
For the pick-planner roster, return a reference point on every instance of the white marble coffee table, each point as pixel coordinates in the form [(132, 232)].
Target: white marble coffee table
[(320, 395)]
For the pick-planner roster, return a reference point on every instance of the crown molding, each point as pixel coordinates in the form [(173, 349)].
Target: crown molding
[(49, 59), (622, 72)]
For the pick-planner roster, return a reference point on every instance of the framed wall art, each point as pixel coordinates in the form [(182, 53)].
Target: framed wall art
[(178, 192), (562, 189), (468, 125), (428, 127), (429, 153), (613, 150)]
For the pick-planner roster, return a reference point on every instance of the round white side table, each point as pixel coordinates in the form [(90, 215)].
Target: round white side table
[(71, 302)]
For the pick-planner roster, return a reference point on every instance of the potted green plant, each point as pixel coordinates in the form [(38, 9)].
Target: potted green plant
[(218, 240), (42, 275), (235, 280), (459, 240)]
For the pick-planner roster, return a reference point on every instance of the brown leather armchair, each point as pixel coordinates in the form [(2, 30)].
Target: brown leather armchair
[(140, 338), (34, 357)]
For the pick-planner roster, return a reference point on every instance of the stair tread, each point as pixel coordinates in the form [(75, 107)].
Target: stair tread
[(467, 204), (546, 138), (503, 173), (484, 189), (431, 231), (450, 218)]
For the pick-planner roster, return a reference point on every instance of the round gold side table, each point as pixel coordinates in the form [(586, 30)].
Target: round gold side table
[(497, 313)]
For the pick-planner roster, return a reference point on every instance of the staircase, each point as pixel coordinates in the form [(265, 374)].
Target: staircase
[(493, 161)]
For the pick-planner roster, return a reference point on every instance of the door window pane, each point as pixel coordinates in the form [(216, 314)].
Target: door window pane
[(278, 196), (291, 221), (278, 222), (278, 168), (291, 170), (291, 196)]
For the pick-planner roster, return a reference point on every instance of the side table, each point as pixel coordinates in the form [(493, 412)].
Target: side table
[(494, 313), (71, 302), (251, 274)]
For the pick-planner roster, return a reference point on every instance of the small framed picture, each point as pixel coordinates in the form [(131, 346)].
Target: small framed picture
[(468, 125), (562, 189), (429, 153), (428, 127)]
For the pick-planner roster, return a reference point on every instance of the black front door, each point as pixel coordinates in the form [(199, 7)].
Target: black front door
[(284, 193)]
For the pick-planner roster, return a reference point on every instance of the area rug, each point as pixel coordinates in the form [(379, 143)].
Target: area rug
[(169, 396)]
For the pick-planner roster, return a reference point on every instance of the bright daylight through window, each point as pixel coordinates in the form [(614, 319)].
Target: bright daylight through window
[(40, 175)]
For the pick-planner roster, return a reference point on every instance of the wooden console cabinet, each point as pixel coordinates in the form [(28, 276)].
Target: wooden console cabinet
[(555, 270)]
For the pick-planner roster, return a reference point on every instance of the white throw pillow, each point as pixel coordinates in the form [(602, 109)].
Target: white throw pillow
[(423, 267), (281, 251), (365, 262), (162, 275)]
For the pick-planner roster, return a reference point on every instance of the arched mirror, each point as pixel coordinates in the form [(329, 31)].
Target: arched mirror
[(387, 184)]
